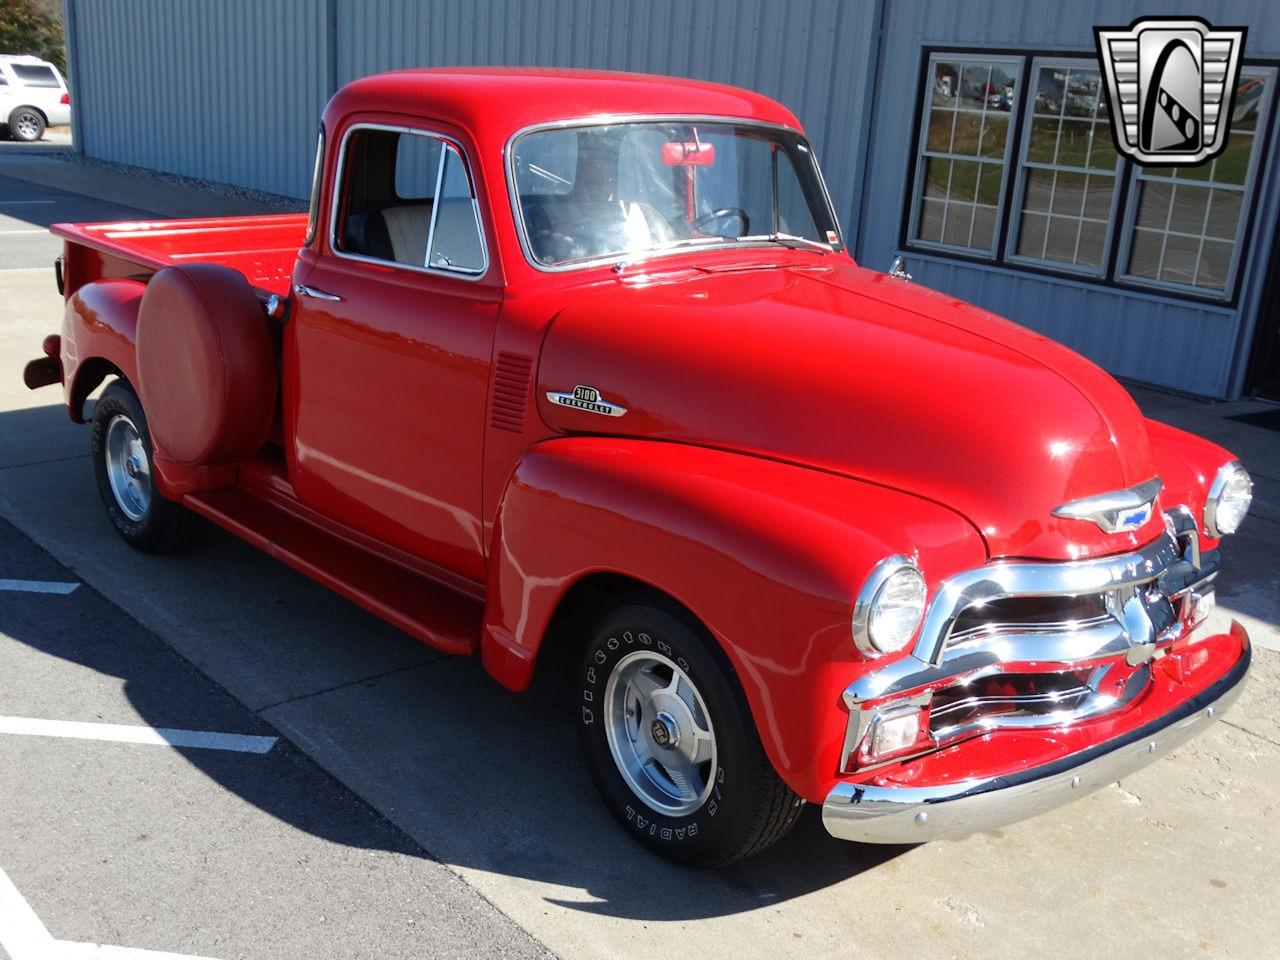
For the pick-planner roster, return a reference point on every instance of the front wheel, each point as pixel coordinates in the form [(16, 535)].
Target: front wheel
[(123, 466), (670, 742), (26, 124)]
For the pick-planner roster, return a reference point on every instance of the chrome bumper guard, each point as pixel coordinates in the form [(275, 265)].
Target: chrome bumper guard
[(871, 814)]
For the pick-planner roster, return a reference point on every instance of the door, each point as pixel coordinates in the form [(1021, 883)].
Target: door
[(388, 349), (1265, 362)]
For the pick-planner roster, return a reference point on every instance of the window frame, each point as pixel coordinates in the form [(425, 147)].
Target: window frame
[(1247, 189), (1018, 198), (920, 153), (450, 142), (1113, 277), (316, 194), (517, 209)]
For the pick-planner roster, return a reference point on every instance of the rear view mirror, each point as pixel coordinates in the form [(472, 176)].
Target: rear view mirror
[(688, 154)]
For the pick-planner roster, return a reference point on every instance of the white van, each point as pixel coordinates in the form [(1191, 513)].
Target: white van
[(33, 95)]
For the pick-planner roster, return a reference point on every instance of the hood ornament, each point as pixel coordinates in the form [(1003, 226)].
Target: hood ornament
[(586, 398), (1119, 511)]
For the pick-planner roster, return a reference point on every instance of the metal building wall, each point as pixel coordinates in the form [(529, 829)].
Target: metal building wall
[(231, 90), (812, 55), (1158, 339), (225, 90)]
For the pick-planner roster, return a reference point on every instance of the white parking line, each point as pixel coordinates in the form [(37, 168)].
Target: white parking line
[(14, 233), (38, 586), (122, 733), (24, 937)]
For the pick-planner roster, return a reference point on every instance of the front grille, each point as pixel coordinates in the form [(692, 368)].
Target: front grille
[(1028, 645)]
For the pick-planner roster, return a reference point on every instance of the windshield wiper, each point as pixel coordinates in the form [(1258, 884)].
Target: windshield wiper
[(786, 239)]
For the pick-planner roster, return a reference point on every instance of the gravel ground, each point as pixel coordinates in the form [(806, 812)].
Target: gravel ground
[(270, 201)]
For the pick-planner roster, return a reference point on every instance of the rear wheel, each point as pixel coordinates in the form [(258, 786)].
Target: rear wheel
[(670, 742), (26, 124), (123, 466)]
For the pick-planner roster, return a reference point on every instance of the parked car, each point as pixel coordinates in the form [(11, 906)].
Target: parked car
[(579, 363), (33, 96)]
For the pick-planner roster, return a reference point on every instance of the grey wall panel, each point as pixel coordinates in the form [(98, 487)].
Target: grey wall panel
[(1157, 339), (809, 54), (228, 90)]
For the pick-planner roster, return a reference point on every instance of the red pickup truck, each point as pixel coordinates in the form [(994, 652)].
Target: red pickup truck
[(581, 361)]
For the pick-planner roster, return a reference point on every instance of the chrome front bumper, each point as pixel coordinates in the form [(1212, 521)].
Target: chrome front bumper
[(871, 814)]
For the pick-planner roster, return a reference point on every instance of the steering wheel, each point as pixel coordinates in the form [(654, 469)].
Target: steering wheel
[(736, 212)]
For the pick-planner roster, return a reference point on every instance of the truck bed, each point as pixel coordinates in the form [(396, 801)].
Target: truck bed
[(263, 248)]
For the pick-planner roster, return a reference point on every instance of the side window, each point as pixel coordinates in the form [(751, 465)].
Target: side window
[(35, 76), (407, 198), (317, 175)]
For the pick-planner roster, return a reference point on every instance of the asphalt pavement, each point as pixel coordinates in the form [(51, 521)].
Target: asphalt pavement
[(410, 807)]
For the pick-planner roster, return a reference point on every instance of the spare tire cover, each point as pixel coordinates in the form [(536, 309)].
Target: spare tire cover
[(206, 366)]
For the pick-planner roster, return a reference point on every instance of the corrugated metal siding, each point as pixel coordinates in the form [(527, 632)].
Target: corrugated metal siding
[(1156, 339), (228, 91), (215, 78), (805, 53)]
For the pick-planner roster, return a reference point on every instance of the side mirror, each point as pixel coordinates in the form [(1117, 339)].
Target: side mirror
[(899, 268)]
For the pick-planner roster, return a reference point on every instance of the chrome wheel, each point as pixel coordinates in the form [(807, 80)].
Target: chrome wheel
[(128, 469), (660, 733), (28, 126)]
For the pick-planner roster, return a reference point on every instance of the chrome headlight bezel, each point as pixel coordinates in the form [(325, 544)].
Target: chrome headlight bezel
[(1226, 488), (888, 572)]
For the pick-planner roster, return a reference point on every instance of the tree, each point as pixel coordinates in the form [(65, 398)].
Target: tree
[(26, 28)]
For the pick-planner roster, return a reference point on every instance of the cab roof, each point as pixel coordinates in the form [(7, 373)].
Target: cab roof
[(495, 102)]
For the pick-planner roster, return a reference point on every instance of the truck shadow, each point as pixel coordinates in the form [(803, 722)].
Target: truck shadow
[(485, 781)]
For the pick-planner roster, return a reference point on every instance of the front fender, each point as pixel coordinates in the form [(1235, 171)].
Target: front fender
[(1187, 464), (99, 329), (769, 556)]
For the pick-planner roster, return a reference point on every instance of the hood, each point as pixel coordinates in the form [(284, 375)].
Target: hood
[(853, 372)]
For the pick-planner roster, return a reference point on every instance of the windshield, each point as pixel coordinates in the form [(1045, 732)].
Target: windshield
[(624, 190)]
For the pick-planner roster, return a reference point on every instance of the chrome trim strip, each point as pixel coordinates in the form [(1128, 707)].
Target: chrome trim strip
[(334, 204), (604, 119), (1021, 579), (871, 814)]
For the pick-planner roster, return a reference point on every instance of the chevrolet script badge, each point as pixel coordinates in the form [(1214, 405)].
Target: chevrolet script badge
[(587, 398)]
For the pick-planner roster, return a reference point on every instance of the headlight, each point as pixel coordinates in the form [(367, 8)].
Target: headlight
[(889, 607), (1229, 500)]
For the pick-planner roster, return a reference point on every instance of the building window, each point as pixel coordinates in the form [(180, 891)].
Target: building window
[(964, 152), (1068, 170), (1187, 220), (1071, 192)]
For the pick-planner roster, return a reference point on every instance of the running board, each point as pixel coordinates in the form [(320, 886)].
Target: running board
[(422, 607)]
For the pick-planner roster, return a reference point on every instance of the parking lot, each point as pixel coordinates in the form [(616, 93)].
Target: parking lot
[(311, 784)]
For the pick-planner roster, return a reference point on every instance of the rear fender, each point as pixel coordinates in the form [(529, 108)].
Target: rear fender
[(99, 336), (768, 556), (99, 327)]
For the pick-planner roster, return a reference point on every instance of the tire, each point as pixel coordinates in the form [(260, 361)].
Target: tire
[(124, 469), (26, 124), (694, 801)]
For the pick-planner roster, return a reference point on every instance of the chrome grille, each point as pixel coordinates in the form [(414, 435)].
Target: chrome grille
[(1021, 644)]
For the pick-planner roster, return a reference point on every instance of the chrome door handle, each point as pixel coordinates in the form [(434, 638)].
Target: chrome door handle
[(302, 290)]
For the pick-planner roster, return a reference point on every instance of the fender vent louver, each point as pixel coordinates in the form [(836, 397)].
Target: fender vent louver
[(510, 391)]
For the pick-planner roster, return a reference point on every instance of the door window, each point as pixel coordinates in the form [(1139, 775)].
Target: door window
[(408, 199)]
